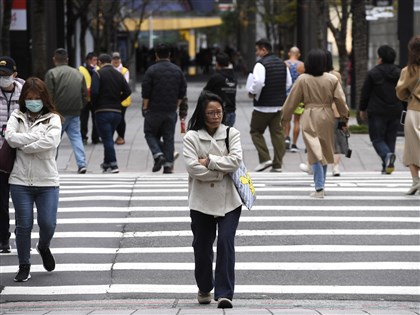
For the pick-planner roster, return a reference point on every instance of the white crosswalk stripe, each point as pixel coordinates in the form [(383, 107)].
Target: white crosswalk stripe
[(128, 234)]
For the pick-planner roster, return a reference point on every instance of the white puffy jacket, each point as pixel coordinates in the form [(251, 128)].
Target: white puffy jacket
[(36, 145)]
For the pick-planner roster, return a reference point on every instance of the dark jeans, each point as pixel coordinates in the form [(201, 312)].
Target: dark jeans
[(121, 126), (4, 207), (84, 119), (204, 228), (107, 122), (383, 134), (159, 131)]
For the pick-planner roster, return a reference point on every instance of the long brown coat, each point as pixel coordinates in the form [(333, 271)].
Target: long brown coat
[(318, 95)]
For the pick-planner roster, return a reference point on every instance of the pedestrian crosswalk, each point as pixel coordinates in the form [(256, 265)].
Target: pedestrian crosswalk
[(128, 235)]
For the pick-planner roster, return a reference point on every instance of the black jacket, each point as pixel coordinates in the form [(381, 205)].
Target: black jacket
[(274, 91), (163, 85), (224, 83), (109, 89), (378, 96)]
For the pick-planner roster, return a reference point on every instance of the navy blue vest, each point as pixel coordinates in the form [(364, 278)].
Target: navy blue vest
[(274, 90)]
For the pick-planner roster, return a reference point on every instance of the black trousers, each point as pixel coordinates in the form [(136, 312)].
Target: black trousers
[(4, 207), (204, 228), (84, 119)]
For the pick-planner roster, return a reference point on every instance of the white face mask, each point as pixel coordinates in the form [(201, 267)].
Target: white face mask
[(6, 81)]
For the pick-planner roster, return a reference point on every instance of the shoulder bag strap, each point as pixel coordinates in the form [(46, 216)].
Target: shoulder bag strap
[(227, 139)]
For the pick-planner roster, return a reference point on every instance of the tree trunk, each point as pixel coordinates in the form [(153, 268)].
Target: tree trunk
[(70, 30), (5, 28), (360, 50), (39, 40), (340, 34)]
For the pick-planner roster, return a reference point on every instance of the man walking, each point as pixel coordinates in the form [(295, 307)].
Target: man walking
[(224, 84), (270, 81), (88, 69), (108, 91), (163, 88), (9, 101), (379, 103), (68, 89)]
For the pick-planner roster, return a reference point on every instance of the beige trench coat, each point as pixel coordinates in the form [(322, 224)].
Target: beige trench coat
[(318, 95)]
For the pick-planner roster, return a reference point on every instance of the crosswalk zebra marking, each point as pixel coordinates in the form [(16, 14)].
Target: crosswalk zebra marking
[(245, 219), (240, 249), (192, 289)]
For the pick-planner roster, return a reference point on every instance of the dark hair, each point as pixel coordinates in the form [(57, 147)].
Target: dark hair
[(387, 54), (264, 43), (328, 63), (37, 86), (105, 58), (197, 119), (315, 63), (60, 55), (413, 54), (163, 51), (222, 59), (90, 55)]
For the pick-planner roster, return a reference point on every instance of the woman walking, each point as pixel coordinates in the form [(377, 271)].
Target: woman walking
[(318, 91), (35, 131), (213, 199), (408, 89)]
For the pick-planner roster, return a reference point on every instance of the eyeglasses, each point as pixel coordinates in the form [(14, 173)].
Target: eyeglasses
[(215, 113)]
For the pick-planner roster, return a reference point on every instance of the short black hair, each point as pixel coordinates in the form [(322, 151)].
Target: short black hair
[(61, 55), (315, 63), (163, 50), (264, 43), (387, 54), (105, 58), (222, 59), (90, 55)]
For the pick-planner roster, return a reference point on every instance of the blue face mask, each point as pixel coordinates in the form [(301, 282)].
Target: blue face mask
[(34, 105)]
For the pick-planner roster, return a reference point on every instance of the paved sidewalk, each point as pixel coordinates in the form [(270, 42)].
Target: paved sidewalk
[(190, 307), (134, 155)]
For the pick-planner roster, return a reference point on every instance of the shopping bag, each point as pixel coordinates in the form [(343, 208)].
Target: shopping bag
[(244, 185), (242, 181)]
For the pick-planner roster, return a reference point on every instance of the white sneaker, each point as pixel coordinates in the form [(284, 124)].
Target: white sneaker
[(336, 170), (262, 166), (317, 194), (305, 168)]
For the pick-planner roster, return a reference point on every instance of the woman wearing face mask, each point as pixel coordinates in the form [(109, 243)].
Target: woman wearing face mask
[(35, 131), (213, 199)]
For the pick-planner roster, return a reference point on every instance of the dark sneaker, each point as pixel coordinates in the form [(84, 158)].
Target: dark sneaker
[(84, 141), (96, 141), (104, 167), (294, 148), (81, 170), (168, 170), (113, 169), (159, 161), (224, 303), (5, 247), (389, 162), (204, 297), (47, 258), (23, 274)]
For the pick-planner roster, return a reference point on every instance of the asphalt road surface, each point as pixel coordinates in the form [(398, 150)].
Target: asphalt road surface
[(128, 235)]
